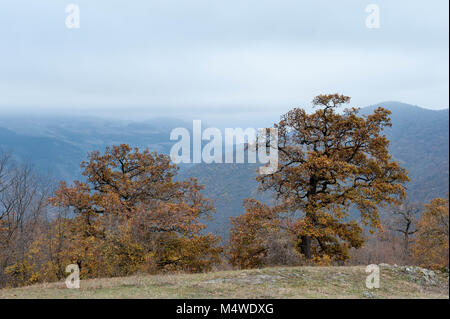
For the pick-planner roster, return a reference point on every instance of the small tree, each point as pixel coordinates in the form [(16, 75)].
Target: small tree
[(432, 246), (328, 163), (249, 232)]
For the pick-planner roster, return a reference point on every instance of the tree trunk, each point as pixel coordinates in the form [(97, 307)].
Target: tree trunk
[(305, 247), (406, 244)]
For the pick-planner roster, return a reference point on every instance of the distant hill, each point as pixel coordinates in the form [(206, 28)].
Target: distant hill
[(227, 185), (56, 146)]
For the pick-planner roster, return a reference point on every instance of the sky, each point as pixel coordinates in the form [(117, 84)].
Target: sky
[(219, 59)]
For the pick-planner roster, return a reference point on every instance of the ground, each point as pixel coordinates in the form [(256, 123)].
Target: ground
[(277, 282)]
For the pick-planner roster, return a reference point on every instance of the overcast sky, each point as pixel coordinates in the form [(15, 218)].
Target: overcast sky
[(219, 58)]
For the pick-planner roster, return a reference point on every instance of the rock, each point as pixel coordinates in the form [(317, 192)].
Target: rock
[(369, 294), (419, 274), (429, 276), (384, 265)]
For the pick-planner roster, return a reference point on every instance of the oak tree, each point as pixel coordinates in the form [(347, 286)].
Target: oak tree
[(131, 211), (331, 162)]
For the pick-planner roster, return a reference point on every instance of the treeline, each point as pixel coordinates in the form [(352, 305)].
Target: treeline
[(130, 214)]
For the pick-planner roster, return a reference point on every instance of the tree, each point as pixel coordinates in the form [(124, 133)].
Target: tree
[(432, 245), (404, 221), (330, 162), (131, 211), (248, 234)]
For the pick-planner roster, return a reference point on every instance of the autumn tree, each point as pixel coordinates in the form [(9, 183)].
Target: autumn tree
[(249, 232), (131, 212), (331, 162), (432, 245)]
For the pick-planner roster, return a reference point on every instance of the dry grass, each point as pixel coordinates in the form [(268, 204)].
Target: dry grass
[(279, 282)]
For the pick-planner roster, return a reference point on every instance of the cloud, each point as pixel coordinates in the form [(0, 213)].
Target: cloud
[(205, 55)]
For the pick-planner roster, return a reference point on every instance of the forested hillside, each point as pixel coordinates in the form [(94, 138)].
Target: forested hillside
[(55, 146)]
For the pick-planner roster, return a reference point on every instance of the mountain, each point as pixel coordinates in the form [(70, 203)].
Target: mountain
[(51, 156), (227, 185), (56, 146)]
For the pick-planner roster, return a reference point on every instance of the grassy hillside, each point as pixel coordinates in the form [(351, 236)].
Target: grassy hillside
[(280, 282)]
